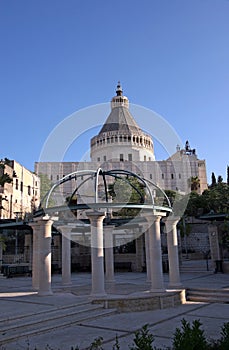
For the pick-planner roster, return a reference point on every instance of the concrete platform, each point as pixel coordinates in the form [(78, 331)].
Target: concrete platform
[(68, 318)]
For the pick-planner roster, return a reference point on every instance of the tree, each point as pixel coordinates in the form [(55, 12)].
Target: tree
[(4, 177), (220, 179), (45, 186), (213, 180), (127, 190), (228, 175), (195, 183), (217, 198)]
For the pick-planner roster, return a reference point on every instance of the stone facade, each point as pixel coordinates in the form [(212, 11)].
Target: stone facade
[(20, 196)]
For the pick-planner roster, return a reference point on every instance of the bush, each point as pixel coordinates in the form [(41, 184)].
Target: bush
[(189, 337), (143, 339)]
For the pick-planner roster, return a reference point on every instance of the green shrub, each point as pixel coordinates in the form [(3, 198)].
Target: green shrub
[(143, 339), (189, 337)]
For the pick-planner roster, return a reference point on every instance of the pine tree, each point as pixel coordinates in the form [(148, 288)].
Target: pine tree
[(213, 179)]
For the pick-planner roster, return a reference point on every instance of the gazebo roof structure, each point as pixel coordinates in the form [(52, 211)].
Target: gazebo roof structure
[(91, 190)]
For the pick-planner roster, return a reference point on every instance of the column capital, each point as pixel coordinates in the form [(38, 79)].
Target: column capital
[(170, 222), (45, 220), (95, 216), (153, 217)]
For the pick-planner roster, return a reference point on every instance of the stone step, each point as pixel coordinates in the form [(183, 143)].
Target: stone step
[(194, 269), (31, 325), (207, 295)]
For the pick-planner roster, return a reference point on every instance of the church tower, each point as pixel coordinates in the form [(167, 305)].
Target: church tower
[(120, 138)]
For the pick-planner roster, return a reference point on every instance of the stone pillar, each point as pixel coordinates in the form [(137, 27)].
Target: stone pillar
[(214, 243), (173, 252), (45, 256), (66, 255), (157, 280), (36, 254), (109, 253), (97, 254)]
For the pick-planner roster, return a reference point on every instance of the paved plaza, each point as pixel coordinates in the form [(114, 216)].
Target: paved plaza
[(68, 318)]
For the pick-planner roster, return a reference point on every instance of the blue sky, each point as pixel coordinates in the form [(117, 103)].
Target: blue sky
[(171, 56)]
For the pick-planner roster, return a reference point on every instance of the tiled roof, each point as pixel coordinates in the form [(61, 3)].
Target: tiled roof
[(122, 121)]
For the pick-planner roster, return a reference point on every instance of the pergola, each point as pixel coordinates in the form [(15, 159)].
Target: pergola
[(90, 206)]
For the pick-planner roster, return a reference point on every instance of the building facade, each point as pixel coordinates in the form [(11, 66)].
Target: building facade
[(19, 195), (121, 144)]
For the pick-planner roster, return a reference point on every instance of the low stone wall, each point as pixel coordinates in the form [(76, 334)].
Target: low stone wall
[(140, 302)]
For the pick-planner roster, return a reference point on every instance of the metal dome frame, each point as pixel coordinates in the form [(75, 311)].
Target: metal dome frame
[(96, 204)]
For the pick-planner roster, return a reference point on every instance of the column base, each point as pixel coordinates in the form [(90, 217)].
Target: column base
[(157, 290), (36, 288), (175, 286), (67, 283), (44, 293), (110, 281), (98, 295)]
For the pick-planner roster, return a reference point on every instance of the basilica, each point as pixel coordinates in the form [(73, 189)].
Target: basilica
[(122, 144)]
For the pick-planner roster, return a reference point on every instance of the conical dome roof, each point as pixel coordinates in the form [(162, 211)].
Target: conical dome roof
[(120, 118), (120, 137)]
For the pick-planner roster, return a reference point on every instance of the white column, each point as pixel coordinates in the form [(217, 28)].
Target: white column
[(109, 254), (97, 256), (156, 272), (214, 244), (36, 259), (45, 256), (173, 253), (66, 255)]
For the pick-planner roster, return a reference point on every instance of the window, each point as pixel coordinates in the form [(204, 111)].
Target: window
[(29, 190), (144, 158), (149, 159), (98, 159), (57, 177), (121, 158), (104, 158), (21, 188), (172, 176), (162, 176), (150, 176), (179, 176), (130, 157), (16, 184), (51, 177)]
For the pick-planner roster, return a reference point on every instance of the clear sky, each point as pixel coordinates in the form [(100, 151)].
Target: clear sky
[(58, 56)]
